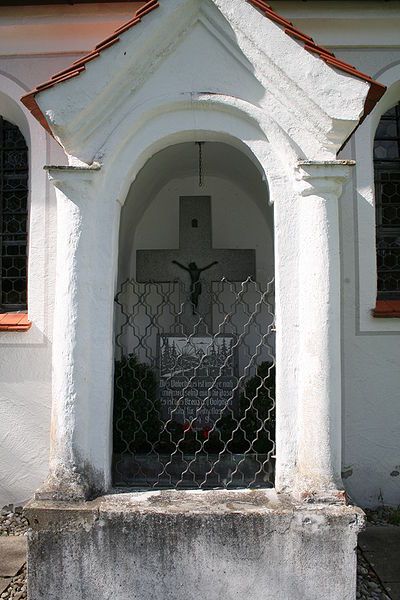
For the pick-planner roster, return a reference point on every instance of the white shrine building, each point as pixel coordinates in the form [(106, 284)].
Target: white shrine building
[(142, 143)]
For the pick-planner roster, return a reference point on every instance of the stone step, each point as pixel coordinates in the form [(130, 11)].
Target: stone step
[(13, 550)]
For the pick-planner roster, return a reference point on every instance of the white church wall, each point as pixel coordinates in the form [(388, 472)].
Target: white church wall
[(368, 39), (371, 346), (24, 359), (49, 31), (35, 43), (370, 391)]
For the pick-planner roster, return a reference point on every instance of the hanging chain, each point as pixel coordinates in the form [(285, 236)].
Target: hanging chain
[(200, 145)]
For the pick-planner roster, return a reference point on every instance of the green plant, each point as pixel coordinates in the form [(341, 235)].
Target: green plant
[(257, 408), (256, 416), (394, 516), (136, 406), (138, 427)]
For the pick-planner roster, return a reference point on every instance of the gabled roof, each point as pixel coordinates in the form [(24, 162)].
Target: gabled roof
[(376, 90)]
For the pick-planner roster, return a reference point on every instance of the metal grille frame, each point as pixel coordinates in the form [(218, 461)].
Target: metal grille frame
[(202, 446)]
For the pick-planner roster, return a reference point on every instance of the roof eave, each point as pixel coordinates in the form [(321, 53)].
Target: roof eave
[(375, 93)]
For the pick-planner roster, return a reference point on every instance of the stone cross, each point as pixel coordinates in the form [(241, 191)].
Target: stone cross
[(196, 261)]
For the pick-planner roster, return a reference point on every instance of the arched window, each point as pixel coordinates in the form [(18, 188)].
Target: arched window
[(13, 218), (387, 195)]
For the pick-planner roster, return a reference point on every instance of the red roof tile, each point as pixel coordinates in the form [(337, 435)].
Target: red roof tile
[(376, 90), (80, 65)]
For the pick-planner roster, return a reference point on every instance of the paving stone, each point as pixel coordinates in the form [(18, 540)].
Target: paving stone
[(4, 583), (381, 547), (12, 555)]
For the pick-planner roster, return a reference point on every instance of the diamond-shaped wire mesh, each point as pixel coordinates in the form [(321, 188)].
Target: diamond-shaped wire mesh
[(194, 394), (13, 217)]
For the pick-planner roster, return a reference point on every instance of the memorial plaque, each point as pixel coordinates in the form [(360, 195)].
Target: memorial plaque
[(198, 376)]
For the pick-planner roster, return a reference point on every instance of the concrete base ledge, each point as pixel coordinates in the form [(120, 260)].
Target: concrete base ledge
[(184, 545)]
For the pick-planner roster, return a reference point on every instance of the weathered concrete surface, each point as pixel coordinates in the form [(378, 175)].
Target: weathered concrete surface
[(4, 583), (381, 547), (12, 554), (174, 545)]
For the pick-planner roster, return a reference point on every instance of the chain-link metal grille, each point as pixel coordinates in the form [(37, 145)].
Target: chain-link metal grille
[(387, 197), (194, 409), (13, 217)]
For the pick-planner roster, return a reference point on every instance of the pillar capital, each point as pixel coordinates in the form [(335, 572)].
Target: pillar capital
[(71, 180), (322, 178)]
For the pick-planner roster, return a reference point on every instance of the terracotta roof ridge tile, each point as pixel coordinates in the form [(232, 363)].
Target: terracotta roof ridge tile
[(376, 90), (148, 7), (311, 45), (127, 25)]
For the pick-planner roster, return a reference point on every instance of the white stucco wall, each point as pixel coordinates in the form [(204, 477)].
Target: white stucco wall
[(370, 346), (31, 50), (36, 42)]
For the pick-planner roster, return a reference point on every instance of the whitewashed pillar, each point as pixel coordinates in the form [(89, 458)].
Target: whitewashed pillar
[(87, 234), (319, 437)]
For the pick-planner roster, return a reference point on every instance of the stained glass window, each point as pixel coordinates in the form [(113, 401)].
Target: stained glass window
[(387, 195), (13, 217)]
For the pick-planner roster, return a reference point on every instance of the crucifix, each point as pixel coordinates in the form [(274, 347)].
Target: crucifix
[(196, 262), (195, 282)]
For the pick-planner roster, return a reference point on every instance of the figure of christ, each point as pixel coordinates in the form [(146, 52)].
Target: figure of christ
[(195, 283)]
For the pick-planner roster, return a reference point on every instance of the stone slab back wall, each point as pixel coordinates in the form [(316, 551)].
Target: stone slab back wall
[(370, 346)]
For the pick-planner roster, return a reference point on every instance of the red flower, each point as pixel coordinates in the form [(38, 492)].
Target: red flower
[(206, 432)]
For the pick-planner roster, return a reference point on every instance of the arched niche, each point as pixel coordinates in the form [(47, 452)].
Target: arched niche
[(241, 211), (151, 313)]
